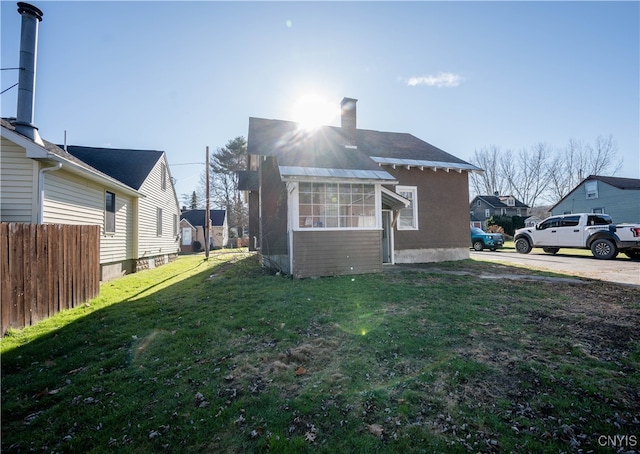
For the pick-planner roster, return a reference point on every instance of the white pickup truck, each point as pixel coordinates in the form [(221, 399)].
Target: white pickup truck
[(584, 231)]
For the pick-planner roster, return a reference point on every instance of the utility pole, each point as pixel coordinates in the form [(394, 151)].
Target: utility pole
[(207, 212)]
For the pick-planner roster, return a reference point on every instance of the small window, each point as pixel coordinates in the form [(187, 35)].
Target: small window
[(591, 189), (503, 211), (163, 176), (479, 203), (175, 224), (598, 210), (487, 213), (159, 221), (408, 219), (109, 212)]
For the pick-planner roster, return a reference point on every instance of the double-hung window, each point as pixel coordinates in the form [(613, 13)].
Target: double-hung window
[(408, 219), (109, 212)]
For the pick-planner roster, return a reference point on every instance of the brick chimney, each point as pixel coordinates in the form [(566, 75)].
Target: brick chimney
[(348, 121)]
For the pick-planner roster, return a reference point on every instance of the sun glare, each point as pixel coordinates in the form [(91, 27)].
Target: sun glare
[(312, 111)]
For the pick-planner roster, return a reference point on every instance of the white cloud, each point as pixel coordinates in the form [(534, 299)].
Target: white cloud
[(446, 80)]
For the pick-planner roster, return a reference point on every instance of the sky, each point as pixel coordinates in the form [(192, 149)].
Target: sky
[(181, 76)]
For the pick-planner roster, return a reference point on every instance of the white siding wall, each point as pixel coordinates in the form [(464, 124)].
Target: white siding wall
[(70, 199), (18, 184), (150, 244)]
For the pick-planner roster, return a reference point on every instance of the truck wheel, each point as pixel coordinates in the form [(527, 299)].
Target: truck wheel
[(551, 250), (604, 249), (523, 246), (478, 245)]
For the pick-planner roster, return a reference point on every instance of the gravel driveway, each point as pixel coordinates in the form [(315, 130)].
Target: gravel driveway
[(621, 270)]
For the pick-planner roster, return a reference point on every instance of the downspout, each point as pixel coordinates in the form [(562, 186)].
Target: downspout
[(41, 173)]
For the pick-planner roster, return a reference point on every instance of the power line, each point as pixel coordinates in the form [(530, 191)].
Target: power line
[(1, 92)]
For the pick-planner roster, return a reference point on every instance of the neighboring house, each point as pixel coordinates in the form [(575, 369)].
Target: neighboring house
[(342, 200), (41, 183), (129, 193), (532, 221), (482, 207), (617, 197), (193, 225), (156, 236), (477, 223)]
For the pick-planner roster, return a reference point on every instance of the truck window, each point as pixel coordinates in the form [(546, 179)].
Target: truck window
[(551, 222), (599, 220), (570, 221)]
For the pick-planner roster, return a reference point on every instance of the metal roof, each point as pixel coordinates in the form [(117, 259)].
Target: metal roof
[(298, 172)]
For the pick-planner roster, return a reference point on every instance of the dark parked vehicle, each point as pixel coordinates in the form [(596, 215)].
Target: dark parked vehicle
[(481, 239)]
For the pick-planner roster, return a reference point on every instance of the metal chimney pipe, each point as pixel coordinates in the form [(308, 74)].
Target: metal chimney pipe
[(31, 16)]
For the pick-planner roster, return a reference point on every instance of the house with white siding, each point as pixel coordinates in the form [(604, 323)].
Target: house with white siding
[(129, 193), (193, 225)]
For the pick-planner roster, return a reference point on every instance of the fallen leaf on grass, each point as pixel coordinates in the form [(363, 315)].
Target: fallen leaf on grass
[(301, 371), (310, 437), (376, 429)]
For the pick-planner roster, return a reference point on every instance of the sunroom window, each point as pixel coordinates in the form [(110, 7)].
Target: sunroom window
[(333, 205)]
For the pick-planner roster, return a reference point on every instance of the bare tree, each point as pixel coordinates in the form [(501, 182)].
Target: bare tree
[(528, 173), (541, 173), (577, 161), (492, 180)]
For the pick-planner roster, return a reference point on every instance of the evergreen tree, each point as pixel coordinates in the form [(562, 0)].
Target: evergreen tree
[(225, 164)]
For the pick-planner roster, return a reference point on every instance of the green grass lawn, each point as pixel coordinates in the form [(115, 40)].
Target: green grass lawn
[(217, 356)]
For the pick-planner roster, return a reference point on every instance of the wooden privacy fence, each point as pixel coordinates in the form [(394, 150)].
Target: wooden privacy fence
[(45, 269)]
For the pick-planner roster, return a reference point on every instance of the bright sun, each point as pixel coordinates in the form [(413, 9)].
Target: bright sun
[(312, 111)]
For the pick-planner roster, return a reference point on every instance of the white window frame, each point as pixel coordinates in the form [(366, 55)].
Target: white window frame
[(294, 197), (163, 176), (487, 213), (158, 221), (110, 213), (413, 190), (591, 189)]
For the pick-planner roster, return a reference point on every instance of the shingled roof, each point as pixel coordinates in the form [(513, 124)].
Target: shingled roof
[(324, 148), (50, 150), (497, 201), (131, 167), (620, 183), (196, 217)]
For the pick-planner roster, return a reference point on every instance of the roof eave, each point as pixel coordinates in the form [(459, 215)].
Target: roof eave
[(422, 164)]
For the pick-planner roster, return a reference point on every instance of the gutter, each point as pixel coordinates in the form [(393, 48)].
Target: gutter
[(41, 173)]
